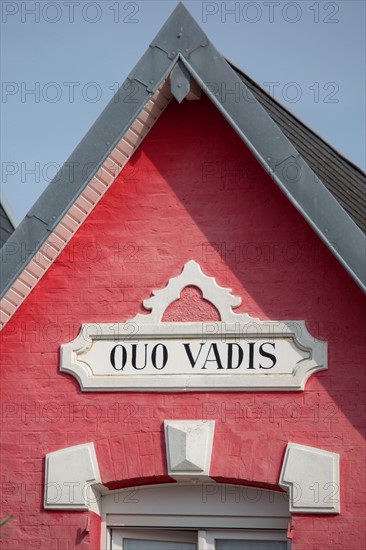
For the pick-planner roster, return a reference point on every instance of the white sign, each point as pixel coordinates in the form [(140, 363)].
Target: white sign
[(238, 353)]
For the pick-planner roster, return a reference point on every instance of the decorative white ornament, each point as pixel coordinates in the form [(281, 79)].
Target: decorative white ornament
[(312, 476), (181, 356), (72, 478), (191, 275), (188, 448)]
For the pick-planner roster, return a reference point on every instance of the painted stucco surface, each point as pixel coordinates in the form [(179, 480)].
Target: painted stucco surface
[(192, 191)]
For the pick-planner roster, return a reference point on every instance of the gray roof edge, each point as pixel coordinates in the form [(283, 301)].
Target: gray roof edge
[(62, 191), (333, 225), (8, 210), (283, 107), (78, 170), (98, 142), (180, 37), (277, 155)]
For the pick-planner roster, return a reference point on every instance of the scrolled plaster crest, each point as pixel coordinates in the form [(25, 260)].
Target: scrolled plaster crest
[(309, 354)]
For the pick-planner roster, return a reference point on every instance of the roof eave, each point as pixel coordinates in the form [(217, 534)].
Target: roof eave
[(281, 160)]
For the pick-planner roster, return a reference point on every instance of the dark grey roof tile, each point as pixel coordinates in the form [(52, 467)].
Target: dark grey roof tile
[(342, 178)]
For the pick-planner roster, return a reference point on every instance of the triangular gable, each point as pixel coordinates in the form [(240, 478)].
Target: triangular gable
[(93, 166)]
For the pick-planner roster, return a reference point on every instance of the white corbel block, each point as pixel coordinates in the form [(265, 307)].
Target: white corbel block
[(70, 474), (312, 477), (189, 448)]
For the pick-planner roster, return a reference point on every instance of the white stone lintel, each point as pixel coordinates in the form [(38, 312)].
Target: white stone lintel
[(312, 477), (189, 448), (72, 479)]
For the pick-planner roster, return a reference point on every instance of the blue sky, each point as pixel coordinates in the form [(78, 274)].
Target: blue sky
[(309, 54)]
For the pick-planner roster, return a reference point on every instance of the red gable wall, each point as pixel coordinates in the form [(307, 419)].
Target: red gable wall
[(192, 191)]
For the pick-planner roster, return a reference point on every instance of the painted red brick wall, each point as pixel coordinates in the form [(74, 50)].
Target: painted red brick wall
[(192, 191)]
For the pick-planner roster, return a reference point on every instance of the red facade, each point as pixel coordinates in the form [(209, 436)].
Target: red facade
[(191, 191)]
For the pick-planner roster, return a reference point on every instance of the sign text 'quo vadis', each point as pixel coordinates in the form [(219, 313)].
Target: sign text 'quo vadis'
[(193, 357), (237, 353)]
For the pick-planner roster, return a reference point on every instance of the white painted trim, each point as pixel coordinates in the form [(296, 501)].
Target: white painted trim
[(188, 446), (195, 506), (206, 505), (191, 275), (209, 538), (72, 479), (74, 358), (118, 535), (312, 477), (202, 539)]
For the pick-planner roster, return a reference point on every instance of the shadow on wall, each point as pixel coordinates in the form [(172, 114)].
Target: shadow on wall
[(254, 241)]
